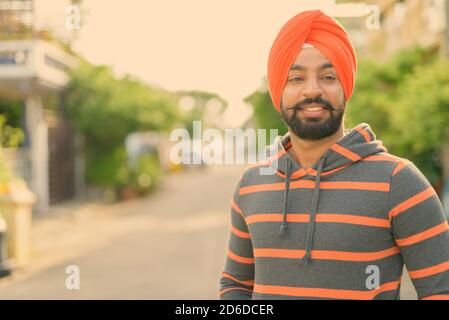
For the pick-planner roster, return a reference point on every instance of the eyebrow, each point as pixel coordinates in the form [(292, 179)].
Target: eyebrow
[(302, 68)]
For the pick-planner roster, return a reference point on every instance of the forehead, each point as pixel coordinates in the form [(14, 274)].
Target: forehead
[(310, 58)]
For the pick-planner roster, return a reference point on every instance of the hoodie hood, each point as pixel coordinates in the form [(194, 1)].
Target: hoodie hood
[(356, 144)]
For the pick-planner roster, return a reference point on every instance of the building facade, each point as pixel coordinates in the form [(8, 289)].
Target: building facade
[(35, 70)]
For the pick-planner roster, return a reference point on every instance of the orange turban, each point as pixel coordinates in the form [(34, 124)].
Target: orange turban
[(325, 34)]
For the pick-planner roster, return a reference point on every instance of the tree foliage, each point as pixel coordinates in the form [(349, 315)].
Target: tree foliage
[(265, 114), (105, 110)]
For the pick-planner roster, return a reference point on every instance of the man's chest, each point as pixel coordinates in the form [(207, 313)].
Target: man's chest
[(346, 220)]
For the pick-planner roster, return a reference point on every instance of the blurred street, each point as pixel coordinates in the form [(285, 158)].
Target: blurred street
[(170, 245)]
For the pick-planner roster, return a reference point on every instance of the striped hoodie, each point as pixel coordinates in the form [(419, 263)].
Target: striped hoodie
[(342, 229)]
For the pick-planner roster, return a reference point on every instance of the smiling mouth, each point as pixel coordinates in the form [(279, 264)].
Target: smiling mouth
[(313, 111)]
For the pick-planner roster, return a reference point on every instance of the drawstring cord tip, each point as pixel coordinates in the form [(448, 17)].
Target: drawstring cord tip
[(306, 258), (283, 229)]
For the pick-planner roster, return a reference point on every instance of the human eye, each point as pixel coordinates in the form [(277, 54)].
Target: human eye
[(329, 77), (295, 79)]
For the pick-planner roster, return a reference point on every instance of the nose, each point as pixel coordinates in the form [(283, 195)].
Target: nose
[(312, 89)]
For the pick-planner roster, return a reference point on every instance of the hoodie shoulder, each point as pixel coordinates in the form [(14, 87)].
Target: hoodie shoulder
[(252, 173), (391, 162)]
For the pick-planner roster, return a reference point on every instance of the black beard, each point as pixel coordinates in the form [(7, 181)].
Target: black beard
[(312, 128)]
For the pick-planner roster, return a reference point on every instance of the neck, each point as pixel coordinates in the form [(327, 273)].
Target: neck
[(307, 152)]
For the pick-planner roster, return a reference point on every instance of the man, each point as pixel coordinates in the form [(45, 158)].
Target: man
[(340, 216)]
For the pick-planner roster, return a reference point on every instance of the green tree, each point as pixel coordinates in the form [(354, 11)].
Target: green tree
[(12, 110), (421, 117), (10, 137), (264, 113), (377, 89), (105, 110)]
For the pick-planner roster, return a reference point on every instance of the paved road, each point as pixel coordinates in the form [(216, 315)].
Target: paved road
[(170, 245)]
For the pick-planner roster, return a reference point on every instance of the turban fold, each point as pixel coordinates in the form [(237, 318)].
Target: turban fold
[(322, 32)]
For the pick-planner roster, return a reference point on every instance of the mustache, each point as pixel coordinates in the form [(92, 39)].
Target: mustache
[(318, 100)]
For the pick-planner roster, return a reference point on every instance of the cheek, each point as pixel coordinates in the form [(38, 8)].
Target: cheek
[(335, 94), (290, 95)]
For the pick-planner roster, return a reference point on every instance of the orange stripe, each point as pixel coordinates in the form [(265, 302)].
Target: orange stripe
[(325, 254), (279, 253), (430, 271), (307, 184), (297, 174), (345, 152), (261, 187), (352, 219), (429, 233), (325, 293), (236, 208), (374, 186), (239, 233), (249, 283), (437, 297), (321, 217), (313, 172), (231, 289), (412, 201), (399, 167), (277, 217), (381, 158), (240, 259), (364, 133)]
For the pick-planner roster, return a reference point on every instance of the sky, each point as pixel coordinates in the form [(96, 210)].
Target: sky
[(211, 45)]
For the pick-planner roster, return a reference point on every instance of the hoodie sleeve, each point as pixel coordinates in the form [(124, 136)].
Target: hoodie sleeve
[(420, 229), (237, 278)]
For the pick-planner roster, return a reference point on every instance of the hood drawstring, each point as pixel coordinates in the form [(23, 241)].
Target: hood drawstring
[(313, 211), (283, 228)]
